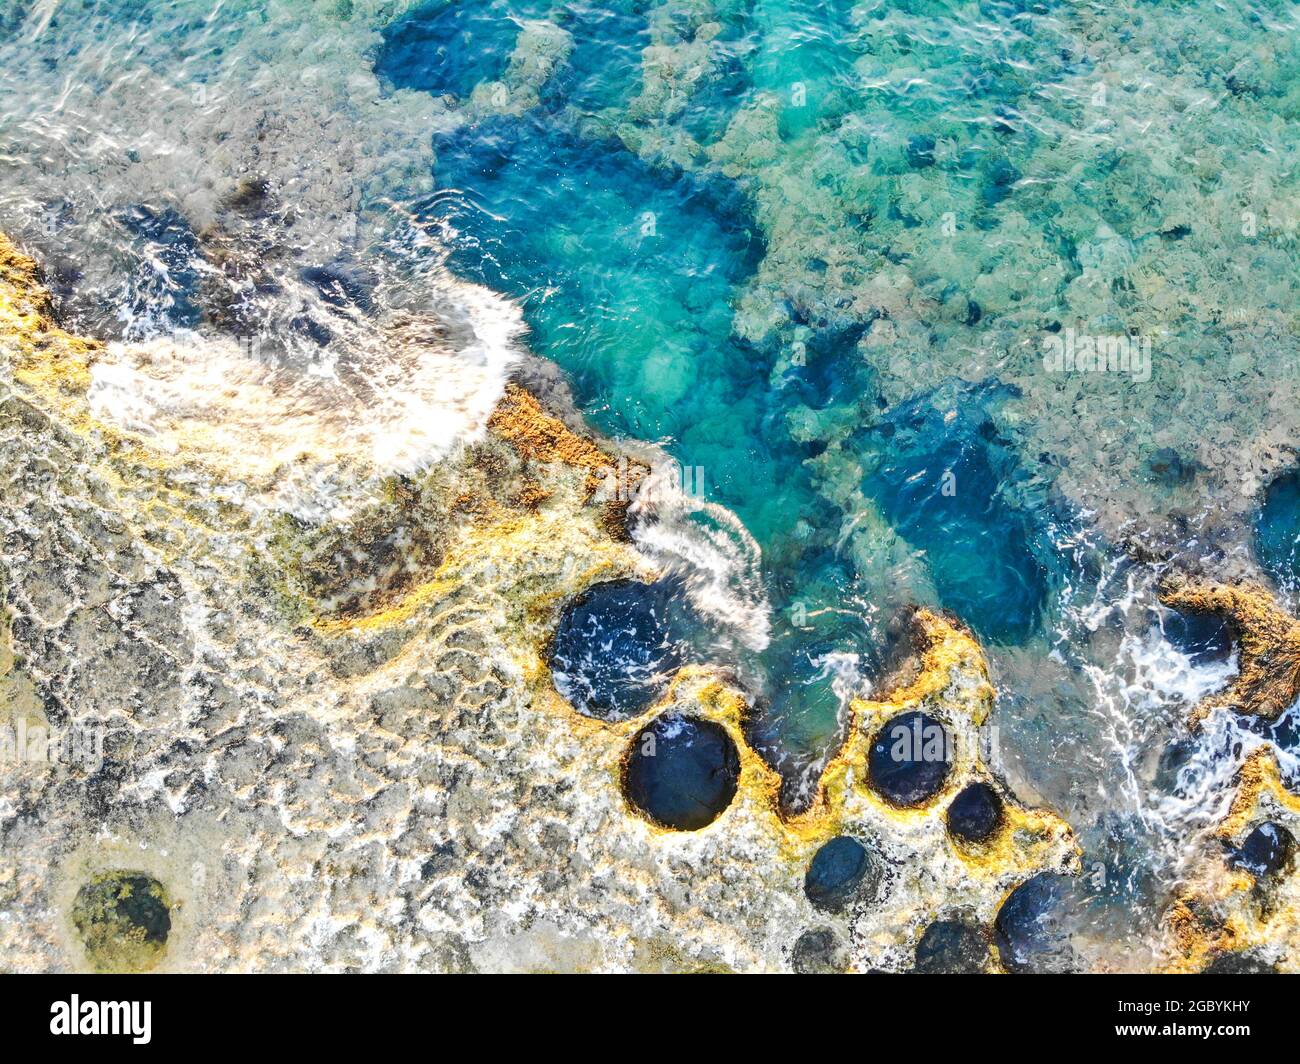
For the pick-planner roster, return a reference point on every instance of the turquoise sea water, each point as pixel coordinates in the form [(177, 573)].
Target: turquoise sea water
[(630, 270), (813, 251)]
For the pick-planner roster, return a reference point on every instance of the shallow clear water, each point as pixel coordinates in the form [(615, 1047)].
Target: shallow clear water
[(813, 251)]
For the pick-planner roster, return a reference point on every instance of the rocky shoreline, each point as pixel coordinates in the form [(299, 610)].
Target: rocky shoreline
[(327, 759)]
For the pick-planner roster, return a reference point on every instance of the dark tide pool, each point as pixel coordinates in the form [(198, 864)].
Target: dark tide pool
[(975, 814), (1032, 929), (910, 759), (841, 870), (1277, 531), (1265, 852), (681, 771), (952, 947), (618, 645)]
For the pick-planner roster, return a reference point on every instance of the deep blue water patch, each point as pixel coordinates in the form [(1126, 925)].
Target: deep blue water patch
[(625, 271), (952, 947), (1277, 531), (975, 814), (1030, 931), (451, 47), (1204, 637), (909, 759), (617, 646), (841, 870), (1283, 732), (681, 771), (949, 483)]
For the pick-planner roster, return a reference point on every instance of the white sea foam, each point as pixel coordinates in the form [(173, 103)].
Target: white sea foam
[(1142, 694), (395, 398), (720, 563)]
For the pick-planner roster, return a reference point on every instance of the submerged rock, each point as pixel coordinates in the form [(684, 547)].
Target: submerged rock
[(952, 947), (123, 919), (843, 869)]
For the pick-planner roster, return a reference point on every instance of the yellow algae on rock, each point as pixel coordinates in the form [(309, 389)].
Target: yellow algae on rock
[(929, 873), (44, 356)]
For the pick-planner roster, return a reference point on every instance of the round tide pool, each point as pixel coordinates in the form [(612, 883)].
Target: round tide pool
[(910, 759), (617, 647), (682, 772), (840, 871)]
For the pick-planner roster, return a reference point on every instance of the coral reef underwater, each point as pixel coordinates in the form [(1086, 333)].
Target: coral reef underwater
[(673, 485)]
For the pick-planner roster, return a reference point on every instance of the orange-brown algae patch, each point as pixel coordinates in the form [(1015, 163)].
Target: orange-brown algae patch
[(1268, 680), (539, 437)]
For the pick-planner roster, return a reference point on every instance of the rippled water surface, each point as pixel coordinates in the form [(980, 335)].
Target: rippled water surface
[(815, 253)]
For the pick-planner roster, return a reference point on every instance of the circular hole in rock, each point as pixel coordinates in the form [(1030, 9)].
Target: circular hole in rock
[(1264, 852), (976, 814), (952, 947), (123, 919), (840, 871), (819, 952), (1030, 930), (681, 771), (910, 759), (616, 647)]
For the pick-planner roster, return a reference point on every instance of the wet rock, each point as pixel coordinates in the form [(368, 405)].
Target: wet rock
[(1030, 933), (1248, 963)]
